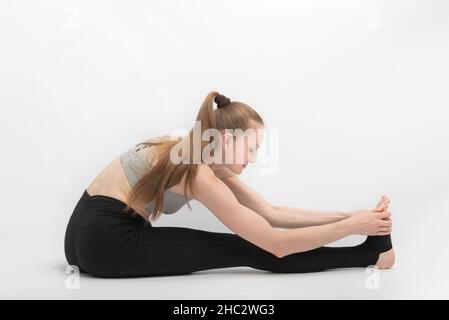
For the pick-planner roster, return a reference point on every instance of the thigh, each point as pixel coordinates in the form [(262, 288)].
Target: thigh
[(160, 251)]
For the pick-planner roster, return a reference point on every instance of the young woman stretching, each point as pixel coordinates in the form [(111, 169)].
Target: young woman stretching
[(109, 233)]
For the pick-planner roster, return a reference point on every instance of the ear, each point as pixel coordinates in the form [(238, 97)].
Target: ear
[(227, 138)]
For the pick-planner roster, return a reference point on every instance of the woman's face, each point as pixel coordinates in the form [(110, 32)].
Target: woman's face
[(239, 150)]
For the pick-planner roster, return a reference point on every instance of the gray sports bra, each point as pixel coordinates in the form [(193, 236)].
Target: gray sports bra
[(134, 166)]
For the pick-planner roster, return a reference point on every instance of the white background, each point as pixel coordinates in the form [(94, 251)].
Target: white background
[(356, 89)]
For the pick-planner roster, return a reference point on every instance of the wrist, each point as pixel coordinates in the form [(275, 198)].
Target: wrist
[(342, 215), (348, 227)]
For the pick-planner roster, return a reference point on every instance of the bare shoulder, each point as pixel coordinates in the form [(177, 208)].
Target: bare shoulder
[(211, 184), (223, 173), (205, 173)]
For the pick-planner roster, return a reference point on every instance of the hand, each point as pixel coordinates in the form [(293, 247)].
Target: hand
[(371, 223), (383, 205)]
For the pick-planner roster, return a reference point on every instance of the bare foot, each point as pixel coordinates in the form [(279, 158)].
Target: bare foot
[(386, 259), (382, 204)]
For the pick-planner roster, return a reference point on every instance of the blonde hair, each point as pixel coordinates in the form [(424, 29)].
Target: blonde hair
[(151, 186)]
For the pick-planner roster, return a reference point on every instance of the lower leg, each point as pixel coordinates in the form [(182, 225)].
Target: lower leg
[(222, 250)]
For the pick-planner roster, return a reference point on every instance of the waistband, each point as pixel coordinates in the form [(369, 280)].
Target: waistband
[(103, 200), (87, 196)]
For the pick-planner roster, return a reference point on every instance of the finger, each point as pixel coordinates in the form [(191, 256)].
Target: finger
[(382, 233), (381, 214), (384, 223), (380, 208), (384, 229), (384, 214)]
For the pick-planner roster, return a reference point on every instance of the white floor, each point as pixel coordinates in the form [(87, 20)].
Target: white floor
[(33, 266)]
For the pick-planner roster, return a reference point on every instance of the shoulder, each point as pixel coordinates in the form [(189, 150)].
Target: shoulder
[(205, 173), (212, 191), (205, 181), (223, 173), (208, 177)]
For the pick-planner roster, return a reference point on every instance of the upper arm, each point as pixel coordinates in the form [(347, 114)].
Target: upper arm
[(250, 198), (246, 223)]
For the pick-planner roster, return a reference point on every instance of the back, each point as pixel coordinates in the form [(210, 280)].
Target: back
[(135, 166)]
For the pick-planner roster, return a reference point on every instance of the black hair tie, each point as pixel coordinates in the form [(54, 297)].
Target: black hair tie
[(222, 101)]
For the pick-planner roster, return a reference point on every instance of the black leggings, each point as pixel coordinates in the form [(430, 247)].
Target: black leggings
[(104, 241)]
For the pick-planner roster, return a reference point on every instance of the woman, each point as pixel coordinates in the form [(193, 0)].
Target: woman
[(110, 234)]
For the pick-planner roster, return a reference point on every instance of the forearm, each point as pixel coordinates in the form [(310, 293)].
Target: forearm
[(309, 238), (287, 217)]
